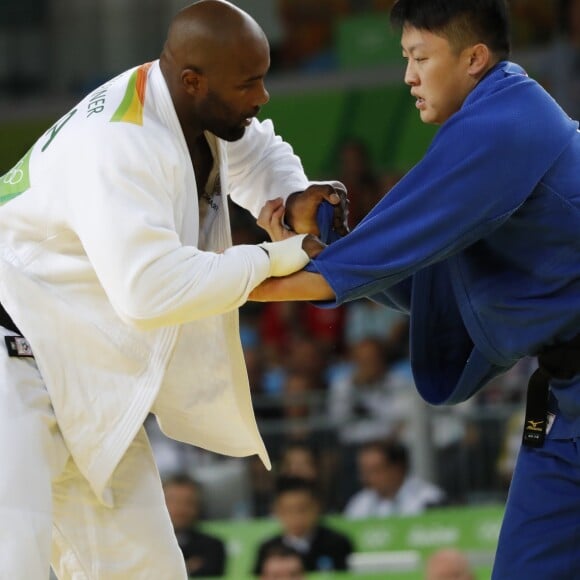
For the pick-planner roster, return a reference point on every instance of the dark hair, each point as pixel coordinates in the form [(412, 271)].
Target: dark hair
[(288, 484), (394, 452), (181, 479), (280, 550), (462, 22), (301, 446)]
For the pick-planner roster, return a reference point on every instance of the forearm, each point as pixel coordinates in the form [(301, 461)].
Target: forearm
[(299, 286)]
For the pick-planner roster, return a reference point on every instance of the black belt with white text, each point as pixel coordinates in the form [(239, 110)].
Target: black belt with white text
[(561, 361), (16, 345)]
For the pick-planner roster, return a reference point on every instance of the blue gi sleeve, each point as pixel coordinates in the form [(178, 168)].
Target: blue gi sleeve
[(324, 219), (481, 166)]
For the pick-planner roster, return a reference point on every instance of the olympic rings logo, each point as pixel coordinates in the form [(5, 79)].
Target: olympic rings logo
[(15, 175)]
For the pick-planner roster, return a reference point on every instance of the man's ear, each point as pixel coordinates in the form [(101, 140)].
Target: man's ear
[(479, 57), (194, 82)]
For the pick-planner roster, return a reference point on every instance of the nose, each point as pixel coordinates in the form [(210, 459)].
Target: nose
[(264, 95), (411, 77)]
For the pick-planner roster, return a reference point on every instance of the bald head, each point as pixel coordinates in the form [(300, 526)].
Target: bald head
[(202, 34), (448, 564), (214, 62)]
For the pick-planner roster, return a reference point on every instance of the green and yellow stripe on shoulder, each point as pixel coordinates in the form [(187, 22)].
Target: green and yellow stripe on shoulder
[(17, 180), (131, 108)]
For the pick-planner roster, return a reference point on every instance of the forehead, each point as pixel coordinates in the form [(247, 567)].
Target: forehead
[(181, 491), (372, 457), (249, 57), (283, 565), (415, 39), (294, 498)]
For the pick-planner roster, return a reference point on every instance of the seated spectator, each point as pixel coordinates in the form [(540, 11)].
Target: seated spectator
[(299, 460), (297, 508), (355, 169), (300, 401), (389, 489), (448, 564), (367, 401), (368, 319), (282, 563), (204, 555)]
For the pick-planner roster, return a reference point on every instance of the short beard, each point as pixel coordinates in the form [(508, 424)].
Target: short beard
[(214, 111), (230, 134)]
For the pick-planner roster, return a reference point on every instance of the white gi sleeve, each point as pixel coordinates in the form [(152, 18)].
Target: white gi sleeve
[(261, 166), (123, 212)]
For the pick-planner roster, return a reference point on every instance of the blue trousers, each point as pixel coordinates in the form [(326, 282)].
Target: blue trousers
[(540, 534)]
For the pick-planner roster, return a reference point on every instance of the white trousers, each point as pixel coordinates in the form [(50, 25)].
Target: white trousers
[(48, 513)]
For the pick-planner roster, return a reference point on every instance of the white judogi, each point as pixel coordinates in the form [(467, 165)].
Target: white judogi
[(100, 269)]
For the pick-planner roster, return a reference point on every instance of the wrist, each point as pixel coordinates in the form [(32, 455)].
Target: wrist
[(286, 256)]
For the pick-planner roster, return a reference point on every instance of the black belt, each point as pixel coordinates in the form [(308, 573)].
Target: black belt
[(16, 345), (562, 362), (6, 321)]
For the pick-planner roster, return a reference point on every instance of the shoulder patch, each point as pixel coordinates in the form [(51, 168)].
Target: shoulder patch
[(131, 108), (16, 181)]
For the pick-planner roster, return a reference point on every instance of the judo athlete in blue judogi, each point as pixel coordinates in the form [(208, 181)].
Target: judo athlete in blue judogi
[(480, 244)]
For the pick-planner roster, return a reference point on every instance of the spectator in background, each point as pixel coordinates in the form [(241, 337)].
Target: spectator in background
[(204, 555), (365, 318), (389, 489), (278, 323), (308, 33), (281, 323), (562, 81), (300, 460), (307, 355), (299, 402), (282, 563), (291, 343), (367, 402), (448, 564), (297, 508), (355, 170)]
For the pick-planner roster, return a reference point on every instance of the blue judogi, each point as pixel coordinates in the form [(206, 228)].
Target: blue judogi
[(480, 243)]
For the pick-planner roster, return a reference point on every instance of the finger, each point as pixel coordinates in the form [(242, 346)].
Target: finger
[(265, 215), (340, 219), (317, 193), (330, 194), (276, 228), (276, 217)]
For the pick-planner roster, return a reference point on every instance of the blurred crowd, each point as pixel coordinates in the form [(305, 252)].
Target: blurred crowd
[(309, 29), (305, 36)]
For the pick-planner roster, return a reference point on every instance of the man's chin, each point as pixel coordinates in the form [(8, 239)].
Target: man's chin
[(234, 134)]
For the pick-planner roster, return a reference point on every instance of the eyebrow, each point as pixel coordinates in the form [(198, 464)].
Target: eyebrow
[(254, 78), (412, 48)]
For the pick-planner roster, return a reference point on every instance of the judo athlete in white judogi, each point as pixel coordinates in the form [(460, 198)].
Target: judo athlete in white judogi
[(116, 266)]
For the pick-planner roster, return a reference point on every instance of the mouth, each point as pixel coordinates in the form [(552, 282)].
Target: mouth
[(419, 102), (248, 120)]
